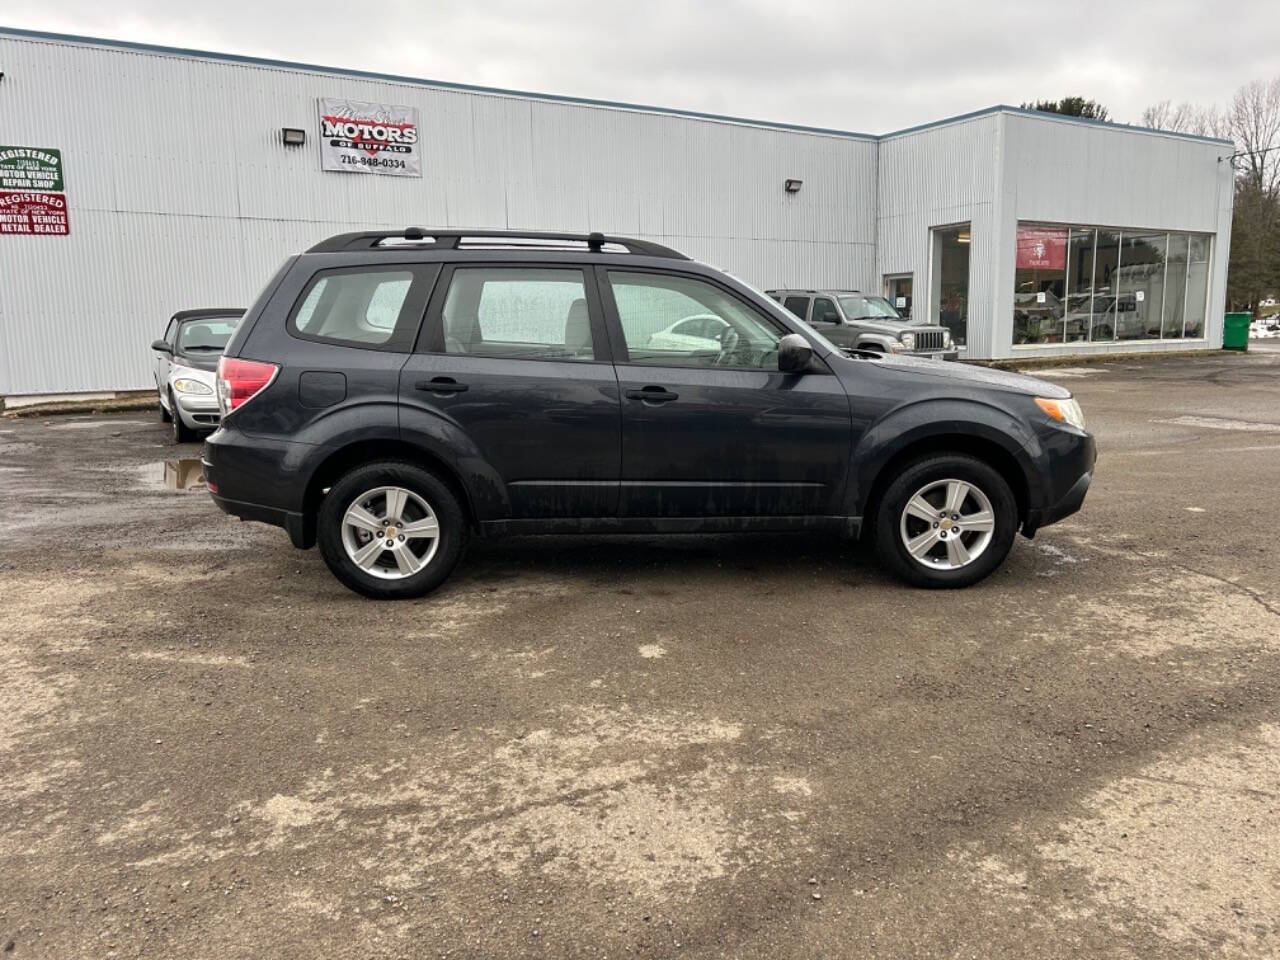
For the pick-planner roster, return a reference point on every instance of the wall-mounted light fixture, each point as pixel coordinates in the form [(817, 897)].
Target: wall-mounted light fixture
[(962, 236), (292, 136), (793, 186)]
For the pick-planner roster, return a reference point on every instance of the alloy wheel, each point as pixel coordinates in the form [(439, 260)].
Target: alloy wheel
[(947, 524), (390, 532)]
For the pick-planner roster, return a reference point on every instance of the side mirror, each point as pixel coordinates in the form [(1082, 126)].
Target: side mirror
[(162, 346), (794, 353)]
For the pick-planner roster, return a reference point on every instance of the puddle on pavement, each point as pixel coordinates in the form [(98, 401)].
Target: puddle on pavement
[(184, 473)]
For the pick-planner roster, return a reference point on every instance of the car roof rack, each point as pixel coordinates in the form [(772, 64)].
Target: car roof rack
[(454, 239)]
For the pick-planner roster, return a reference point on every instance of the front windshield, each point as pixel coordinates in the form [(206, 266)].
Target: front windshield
[(869, 308), (818, 337), (207, 334)]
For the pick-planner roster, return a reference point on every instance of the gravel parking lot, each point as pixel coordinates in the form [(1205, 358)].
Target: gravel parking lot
[(706, 746)]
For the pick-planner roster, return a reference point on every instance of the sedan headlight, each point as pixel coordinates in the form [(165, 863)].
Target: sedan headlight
[(908, 341), (192, 387), (1064, 411)]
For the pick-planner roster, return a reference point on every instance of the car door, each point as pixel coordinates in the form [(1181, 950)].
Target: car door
[(161, 360), (718, 432), (514, 361), (826, 319)]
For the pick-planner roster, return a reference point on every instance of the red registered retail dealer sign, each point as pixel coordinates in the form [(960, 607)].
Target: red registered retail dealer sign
[(33, 214), (1042, 248)]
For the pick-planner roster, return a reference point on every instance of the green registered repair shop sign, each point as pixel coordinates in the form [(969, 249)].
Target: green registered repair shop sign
[(30, 168)]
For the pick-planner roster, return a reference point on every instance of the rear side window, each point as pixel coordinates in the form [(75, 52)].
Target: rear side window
[(360, 307), (797, 305), (528, 313)]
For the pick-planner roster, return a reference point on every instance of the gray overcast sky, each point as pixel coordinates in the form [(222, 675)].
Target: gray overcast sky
[(864, 67)]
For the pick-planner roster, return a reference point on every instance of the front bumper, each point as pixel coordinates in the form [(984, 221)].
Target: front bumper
[(1068, 468), (199, 412), (950, 354)]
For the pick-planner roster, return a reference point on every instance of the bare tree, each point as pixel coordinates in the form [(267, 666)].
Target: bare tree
[(1252, 122), (1254, 118), (1186, 117)]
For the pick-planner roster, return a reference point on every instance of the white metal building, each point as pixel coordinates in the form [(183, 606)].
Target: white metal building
[(175, 187)]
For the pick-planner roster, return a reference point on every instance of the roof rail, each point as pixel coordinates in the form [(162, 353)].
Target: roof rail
[(453, 238)]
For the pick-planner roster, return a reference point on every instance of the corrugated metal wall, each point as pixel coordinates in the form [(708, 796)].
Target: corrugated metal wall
[(999, 168), (180, 193), (942, 175), (1095, 175)]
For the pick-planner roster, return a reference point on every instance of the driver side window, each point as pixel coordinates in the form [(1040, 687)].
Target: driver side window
[(651, 306)]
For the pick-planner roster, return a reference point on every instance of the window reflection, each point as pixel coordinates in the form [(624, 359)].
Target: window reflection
[(1075, 322), (1040, 284), (1105, 307), (1197, 286), (1074, 284), (1175, 287)]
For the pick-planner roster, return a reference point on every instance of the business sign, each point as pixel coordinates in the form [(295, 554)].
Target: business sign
[(357, 137), (30, 168), (1042, 248), (33, 214)]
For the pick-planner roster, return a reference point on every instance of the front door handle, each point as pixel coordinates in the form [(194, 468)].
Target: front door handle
[(441, 385), (653, 394)]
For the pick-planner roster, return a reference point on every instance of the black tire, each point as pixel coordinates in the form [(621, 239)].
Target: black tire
[(181, 432), (888, 512), (451, 517), (164, 414)]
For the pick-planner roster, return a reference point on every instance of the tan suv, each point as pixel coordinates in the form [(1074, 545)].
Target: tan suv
[(861, 321)]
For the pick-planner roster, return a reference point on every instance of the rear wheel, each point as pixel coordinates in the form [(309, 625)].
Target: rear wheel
[(181, 432), (391, 530), (945, 521)]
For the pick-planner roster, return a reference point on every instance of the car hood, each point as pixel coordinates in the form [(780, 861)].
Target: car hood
[(971, 375), (198, 361), (202, 371)]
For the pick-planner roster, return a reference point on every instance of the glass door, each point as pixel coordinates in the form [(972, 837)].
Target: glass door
[(950, 301)]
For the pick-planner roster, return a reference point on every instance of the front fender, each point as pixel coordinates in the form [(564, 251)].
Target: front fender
[(924, 423), (884, 341)]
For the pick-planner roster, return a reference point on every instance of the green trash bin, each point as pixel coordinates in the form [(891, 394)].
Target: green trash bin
[(1235, 331)]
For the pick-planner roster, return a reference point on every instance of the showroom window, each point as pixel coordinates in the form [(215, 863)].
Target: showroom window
[(1093, 284)]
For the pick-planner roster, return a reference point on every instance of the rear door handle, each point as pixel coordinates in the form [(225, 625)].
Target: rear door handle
[(441, 385), (653, 394)]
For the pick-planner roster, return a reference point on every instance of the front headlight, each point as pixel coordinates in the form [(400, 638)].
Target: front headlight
[(192, 387), (1064, 411), (908, 341), (946, 337)]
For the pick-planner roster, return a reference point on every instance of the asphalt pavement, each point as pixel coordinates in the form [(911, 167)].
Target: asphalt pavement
[(690, 747)]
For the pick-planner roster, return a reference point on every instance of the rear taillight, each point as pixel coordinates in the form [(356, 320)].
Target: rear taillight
[(239, 381)]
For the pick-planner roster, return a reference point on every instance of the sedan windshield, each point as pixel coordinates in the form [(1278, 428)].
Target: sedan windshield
[(869, 308), (207, 334)]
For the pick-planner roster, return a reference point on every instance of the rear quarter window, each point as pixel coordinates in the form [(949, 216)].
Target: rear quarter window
[(374, 307)]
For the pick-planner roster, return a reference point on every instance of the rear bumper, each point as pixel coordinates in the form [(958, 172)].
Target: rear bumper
[(258, 479)]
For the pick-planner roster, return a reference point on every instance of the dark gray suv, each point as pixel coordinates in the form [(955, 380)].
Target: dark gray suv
[(391, 394)]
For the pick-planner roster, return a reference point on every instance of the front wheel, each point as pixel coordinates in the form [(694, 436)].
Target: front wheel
[(945, 521), (181, 432), (391, 530)]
